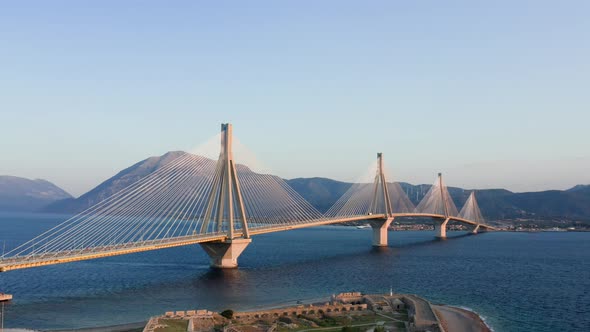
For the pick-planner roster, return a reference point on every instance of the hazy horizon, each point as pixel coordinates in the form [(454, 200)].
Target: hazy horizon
[(494, 95)]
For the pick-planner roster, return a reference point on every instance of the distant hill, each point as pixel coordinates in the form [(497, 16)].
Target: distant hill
[(500, 204), (580, 188), (121, 180), (25, 195), (496, 204), (321, 192)]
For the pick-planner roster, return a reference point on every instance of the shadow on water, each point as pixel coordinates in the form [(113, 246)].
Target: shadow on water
[(335, 255), (221, 275), (380, 250), (236, 287), (434, 241), (202, 281), (378, 255)]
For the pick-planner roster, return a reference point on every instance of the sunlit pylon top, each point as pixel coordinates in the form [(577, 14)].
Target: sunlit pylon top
[(438, 200)]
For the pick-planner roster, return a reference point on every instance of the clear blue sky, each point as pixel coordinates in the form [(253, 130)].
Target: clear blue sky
[(493, 93)]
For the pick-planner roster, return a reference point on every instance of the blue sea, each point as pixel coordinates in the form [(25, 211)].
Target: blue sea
[(516, 281)]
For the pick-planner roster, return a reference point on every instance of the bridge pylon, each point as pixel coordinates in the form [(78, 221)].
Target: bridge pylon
[(225, 200), (472, 212), (380, 195), (440, 226)]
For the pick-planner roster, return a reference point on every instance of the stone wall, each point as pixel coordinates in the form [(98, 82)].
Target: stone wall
[(328, 309)]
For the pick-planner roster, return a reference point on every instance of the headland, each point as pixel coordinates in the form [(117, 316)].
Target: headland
[(346, 312)]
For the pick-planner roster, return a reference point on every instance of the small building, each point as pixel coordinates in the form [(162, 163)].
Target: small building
[(397, 304), (348, 297)]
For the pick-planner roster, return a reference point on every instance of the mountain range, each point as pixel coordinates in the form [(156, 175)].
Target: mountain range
[(17, 194), (496, 204)]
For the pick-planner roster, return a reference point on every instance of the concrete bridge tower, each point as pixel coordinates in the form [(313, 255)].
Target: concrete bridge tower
[(380, 195), (224, 201), (440, 226)]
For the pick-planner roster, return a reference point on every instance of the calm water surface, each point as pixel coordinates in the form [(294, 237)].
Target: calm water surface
[(516, 281)]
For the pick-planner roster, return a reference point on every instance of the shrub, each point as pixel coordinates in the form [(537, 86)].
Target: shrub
[(229, 314), (350, 329)]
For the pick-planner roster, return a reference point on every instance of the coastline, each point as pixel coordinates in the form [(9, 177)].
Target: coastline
[(458, 319), (125, 327), (483, 319), (409, 310), (451, 318)]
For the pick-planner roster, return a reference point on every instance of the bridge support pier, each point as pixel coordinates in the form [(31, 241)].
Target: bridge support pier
[(475, 230), (380, 228), (224, 255), (440, 228)]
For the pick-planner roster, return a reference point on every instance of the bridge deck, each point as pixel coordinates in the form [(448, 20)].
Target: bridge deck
[(50, 258)]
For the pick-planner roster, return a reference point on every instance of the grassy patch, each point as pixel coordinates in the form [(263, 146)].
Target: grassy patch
[(365, 319), (330, 323), (400, 325), (173, 325), (350, 329), (401, 315)]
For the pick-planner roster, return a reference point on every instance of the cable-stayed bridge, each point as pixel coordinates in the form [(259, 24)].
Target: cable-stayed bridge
[(221, 205)]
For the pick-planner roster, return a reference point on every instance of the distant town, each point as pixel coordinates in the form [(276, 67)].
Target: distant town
[(521, 225)]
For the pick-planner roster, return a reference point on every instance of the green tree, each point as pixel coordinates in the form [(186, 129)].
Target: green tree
[(229, 314)]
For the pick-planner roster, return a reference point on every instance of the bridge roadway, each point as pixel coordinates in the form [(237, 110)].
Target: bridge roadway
[(51, 258)]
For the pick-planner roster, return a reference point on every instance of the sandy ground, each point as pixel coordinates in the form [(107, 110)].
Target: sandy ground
[(459, 320)]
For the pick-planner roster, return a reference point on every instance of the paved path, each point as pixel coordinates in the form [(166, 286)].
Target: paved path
[(423, 311), (458, 320), (389, 317)]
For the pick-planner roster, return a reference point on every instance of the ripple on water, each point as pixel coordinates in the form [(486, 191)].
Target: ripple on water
[(516, 281)]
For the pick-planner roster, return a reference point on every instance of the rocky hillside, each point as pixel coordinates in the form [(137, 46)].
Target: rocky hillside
[(121, 180)]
